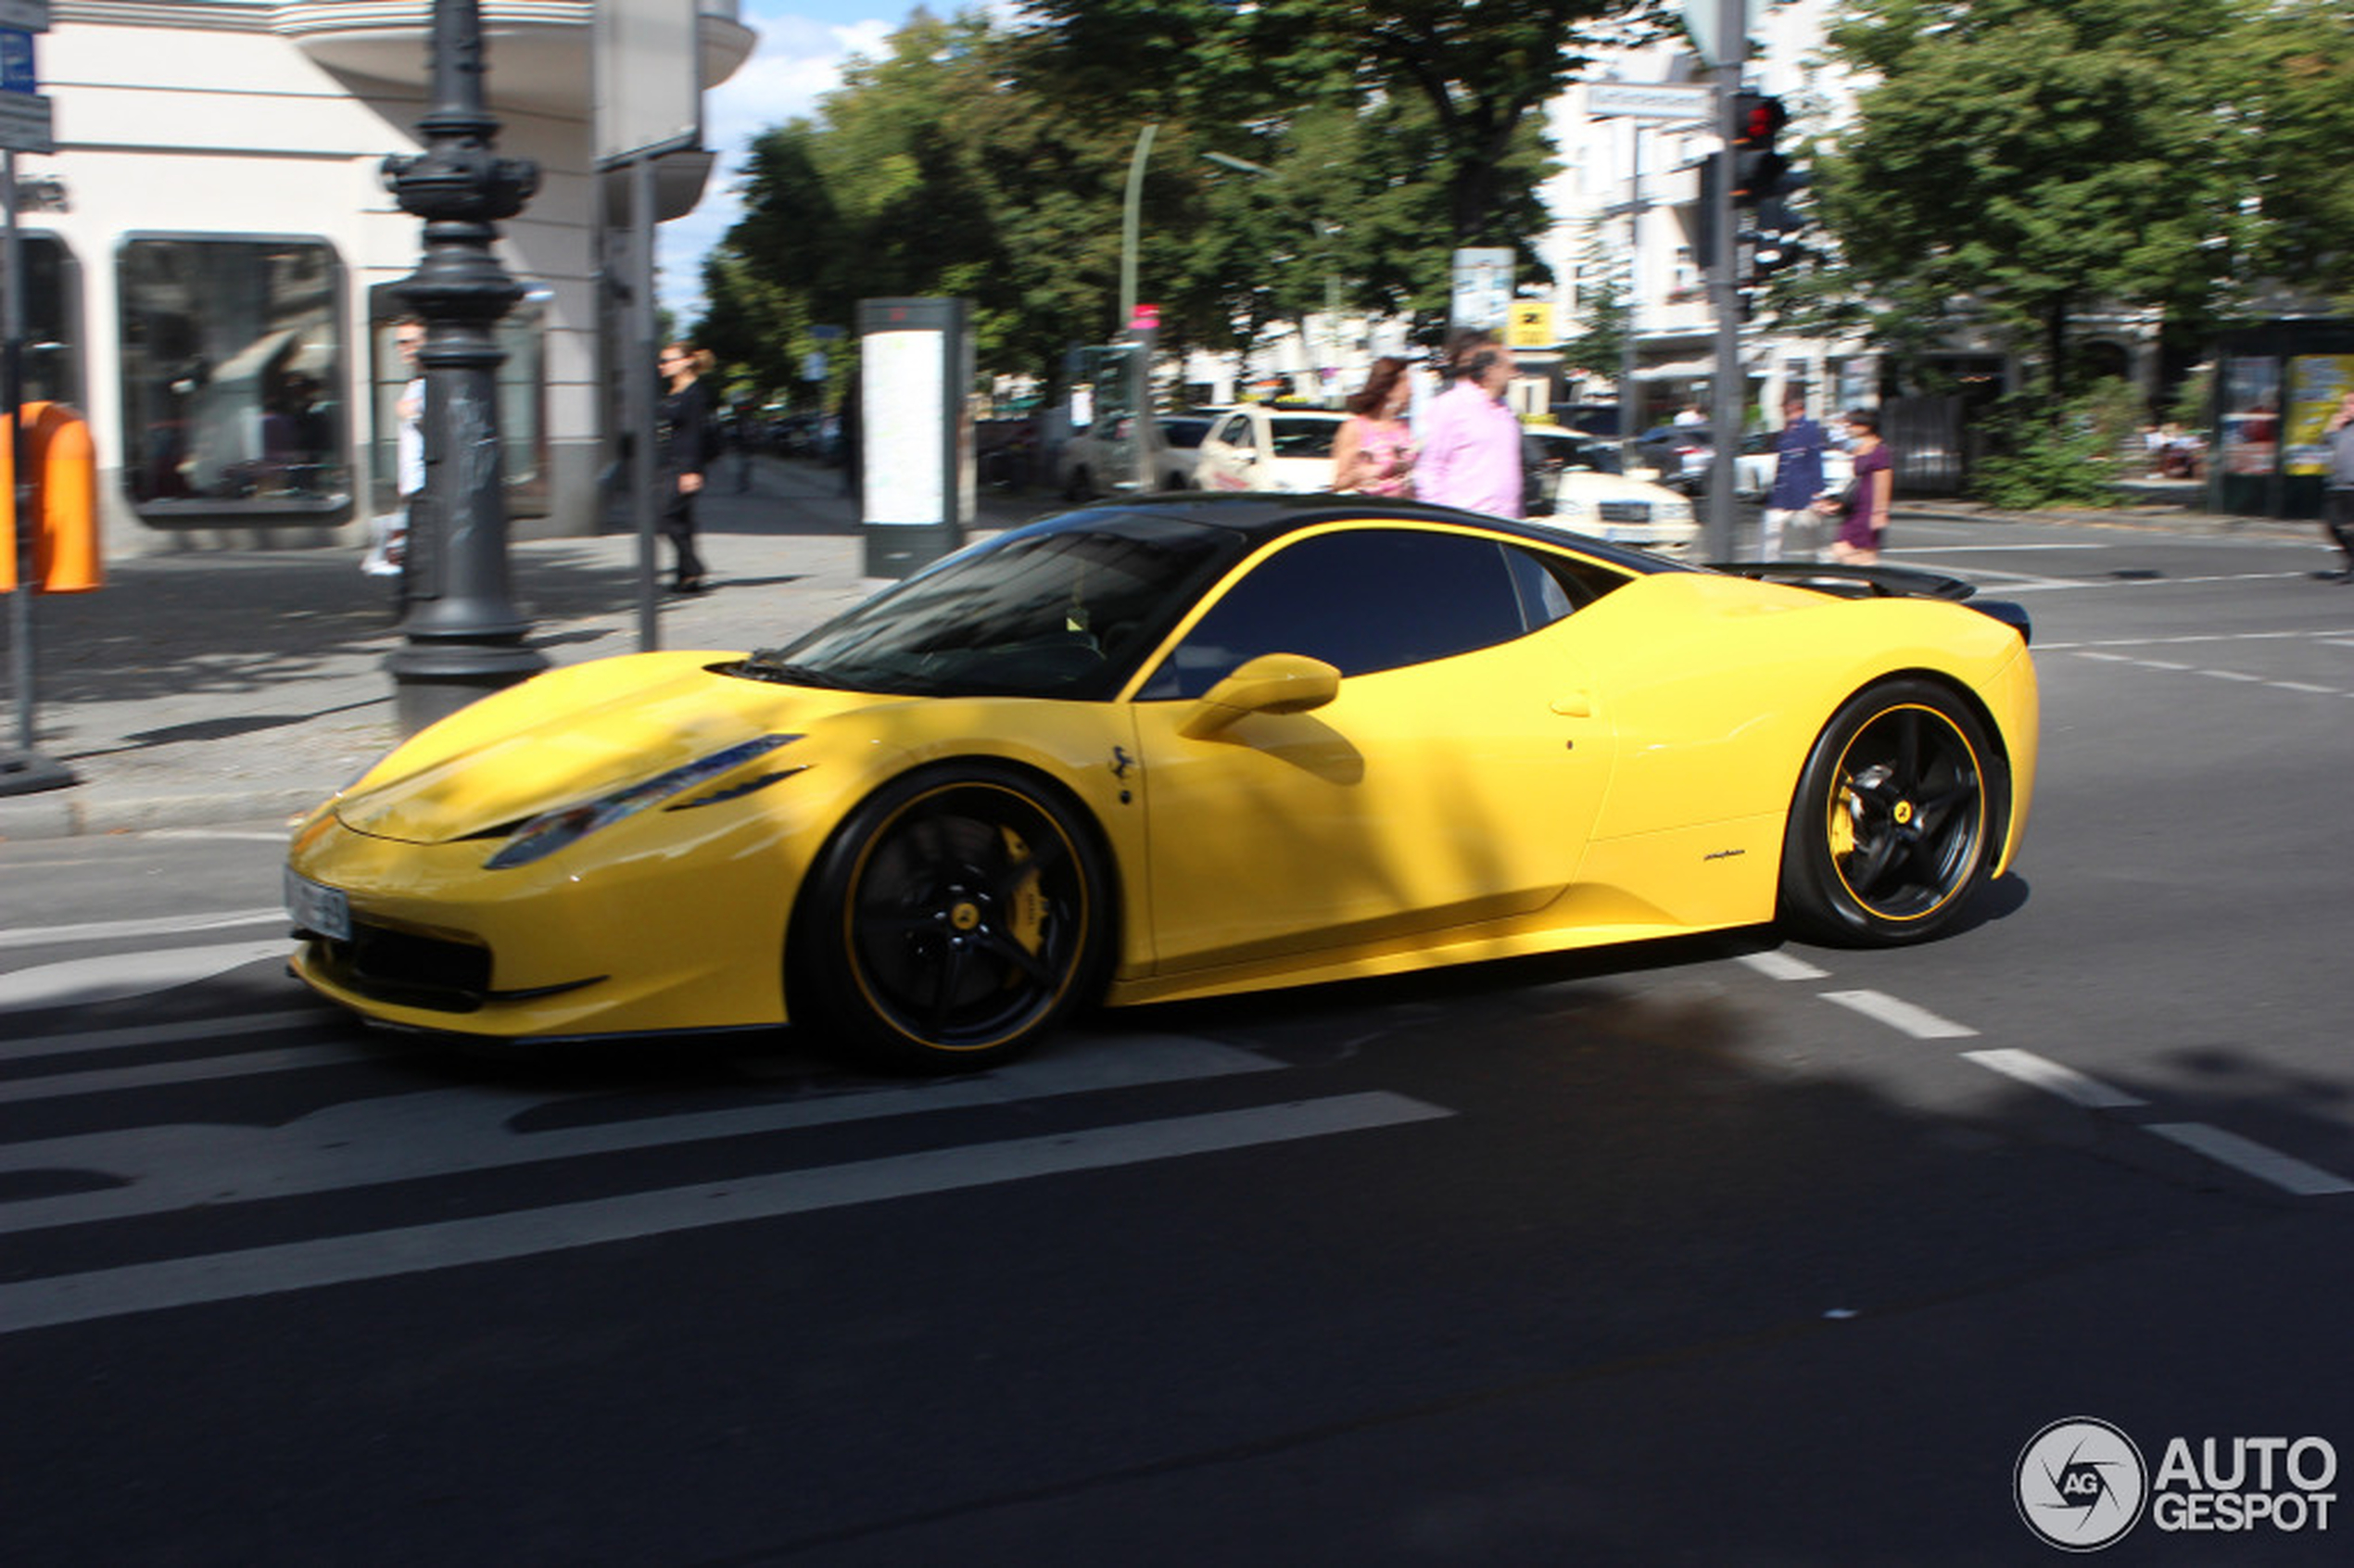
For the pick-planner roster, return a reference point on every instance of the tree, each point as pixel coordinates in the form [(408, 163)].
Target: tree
[(933, 171), (2024, 159), (2289, 74), (1469, 80)]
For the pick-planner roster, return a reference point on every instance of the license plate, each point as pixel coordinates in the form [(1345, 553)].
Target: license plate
[(317, 907)]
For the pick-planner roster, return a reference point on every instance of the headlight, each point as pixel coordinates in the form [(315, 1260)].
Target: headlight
[(1569, 510), (1676, 511), (553, 830)]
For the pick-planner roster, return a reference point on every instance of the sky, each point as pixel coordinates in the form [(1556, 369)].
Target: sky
[(799, 58)]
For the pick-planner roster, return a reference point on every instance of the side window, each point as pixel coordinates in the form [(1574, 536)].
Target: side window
[(1368, 600), (1233, 430)]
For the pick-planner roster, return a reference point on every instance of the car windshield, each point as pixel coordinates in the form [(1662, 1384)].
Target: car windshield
[(1064, 608), (1183, 432)]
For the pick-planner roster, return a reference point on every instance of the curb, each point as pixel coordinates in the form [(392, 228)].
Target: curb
[(60, 814)]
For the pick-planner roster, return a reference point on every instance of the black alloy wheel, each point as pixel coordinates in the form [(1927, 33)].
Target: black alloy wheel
[(1897, 820), (957, 916)]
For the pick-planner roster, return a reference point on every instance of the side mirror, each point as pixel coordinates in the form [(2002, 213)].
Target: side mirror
[(1272, 683)]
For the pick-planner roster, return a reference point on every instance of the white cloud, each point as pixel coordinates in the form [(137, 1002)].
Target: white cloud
[(797, 61)]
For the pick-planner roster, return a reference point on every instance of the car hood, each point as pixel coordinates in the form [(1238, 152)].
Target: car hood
[(575, 735)]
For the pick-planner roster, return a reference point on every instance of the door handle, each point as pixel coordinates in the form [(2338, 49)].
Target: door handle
[(1575, 704)]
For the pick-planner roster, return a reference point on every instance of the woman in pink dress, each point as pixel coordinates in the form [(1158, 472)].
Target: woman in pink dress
[(1373, 454)]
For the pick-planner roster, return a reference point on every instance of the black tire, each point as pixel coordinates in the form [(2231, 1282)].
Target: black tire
[(953, 918), (1898, 818)]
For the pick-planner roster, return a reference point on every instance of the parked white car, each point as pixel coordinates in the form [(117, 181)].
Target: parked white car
[(1092, 459), (1261, 447), (1575, 471)]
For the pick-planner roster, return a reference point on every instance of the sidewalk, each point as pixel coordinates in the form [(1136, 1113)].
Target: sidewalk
[(220, 687), (214, 687)]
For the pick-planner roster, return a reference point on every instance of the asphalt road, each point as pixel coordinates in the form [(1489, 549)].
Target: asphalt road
[(1721, 1252)]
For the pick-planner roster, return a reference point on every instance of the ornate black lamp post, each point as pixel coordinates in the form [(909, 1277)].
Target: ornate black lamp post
[(464, 634)]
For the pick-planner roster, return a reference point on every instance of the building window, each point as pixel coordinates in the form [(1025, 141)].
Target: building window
[(233, 378), (52, 321), (522, 336)]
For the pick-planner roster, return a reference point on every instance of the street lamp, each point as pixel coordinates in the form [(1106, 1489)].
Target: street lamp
[(1131, 220), (1324, 234), (464, 634)]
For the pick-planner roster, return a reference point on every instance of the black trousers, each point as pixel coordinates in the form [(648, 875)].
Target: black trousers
[(2338, 520), (677, 524)]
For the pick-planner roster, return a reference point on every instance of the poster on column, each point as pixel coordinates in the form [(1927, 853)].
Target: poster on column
[(2317, 384), (903, 406), (2251, 424)]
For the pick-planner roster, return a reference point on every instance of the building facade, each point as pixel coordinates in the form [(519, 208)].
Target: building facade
[(208, 255)]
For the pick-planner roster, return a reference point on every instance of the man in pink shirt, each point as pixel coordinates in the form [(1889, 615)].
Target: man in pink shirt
[(1471, 441)]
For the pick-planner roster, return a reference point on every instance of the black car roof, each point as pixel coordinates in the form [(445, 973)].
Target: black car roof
[(1263, 515)]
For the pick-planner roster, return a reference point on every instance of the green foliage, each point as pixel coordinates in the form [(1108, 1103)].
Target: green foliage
[(2019, 159), (2050, 451), (1481, 75)]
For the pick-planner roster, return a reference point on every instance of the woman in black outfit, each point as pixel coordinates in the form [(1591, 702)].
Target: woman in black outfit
[(685, 436)]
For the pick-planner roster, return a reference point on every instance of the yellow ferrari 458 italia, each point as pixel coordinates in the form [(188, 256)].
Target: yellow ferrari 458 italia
[(1173, 749)]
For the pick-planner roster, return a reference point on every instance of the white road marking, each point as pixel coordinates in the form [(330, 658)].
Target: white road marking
[(82, 981), (448, 1132), (267, 1270), (2195, 636), (2303, 686), (2230, 675), (1918, 1022), (195, 1070), (2051, 1077), (1782, 967), (248, 836), (161, 925), (160, 1034), (2112, 583), (2253, 1158), (1988, 550)]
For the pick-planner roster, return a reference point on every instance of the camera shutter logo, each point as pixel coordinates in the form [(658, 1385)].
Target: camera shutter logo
[(2081, 1484)]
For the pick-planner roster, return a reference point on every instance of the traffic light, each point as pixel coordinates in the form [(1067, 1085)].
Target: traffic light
[(1757, 168)]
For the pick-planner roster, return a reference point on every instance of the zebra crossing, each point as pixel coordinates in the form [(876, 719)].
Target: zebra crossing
[(174, 1132)]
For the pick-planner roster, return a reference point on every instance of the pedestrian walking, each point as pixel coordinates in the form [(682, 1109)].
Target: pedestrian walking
[(1373, 454), (2337, 486), (388, 546), (1471, 447), (1798, 479), (686, 439), (1866, 516)]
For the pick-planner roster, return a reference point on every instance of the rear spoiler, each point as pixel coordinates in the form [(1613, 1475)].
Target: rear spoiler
[(1879, 582)]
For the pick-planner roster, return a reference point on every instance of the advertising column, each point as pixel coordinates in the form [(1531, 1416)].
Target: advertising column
[(916, 361)]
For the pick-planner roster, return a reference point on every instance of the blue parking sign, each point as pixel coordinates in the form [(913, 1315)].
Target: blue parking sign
[(18, 72)]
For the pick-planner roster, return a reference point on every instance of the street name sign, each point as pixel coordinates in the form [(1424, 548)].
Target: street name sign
[(1640, 100)]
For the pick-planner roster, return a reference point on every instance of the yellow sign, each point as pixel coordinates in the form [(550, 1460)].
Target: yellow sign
[(1530, 324)]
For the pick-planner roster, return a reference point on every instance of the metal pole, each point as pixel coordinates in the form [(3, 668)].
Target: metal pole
[(464, 636), (1132, 214), (1730, 389), (1629, 411), (640, 394), (23, 770)]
